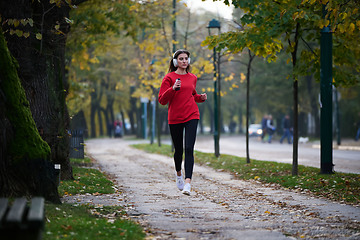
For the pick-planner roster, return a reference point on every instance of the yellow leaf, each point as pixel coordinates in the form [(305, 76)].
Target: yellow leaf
[(242, 77), (351, 27), (16, 22), (133, 7), (341, 28), (26, 35), (327, 22), (343, 16), (19, 33), (31, 22), (288, 60), (38, 36), (295, 15)]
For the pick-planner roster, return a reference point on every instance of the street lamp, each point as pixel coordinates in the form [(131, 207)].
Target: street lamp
[(216, 24)]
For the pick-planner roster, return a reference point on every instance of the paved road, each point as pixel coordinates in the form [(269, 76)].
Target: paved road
[(220, 207), (346, 157)]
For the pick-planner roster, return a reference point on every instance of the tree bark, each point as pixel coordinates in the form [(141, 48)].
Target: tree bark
[(42, 70), (296, 102), (25, 166), (251, 58)]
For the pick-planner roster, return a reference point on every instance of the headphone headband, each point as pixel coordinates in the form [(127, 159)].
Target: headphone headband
[(181, 50)]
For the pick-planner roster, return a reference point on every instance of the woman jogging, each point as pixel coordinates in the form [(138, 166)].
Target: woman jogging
[(178, 90)]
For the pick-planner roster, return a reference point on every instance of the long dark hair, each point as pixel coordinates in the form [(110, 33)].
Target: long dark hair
[(172, 68)]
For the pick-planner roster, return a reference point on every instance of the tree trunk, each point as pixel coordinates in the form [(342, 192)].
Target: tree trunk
[(251, 58), (93, 109), (25, 166), (296, 111), (42, 71), (101, 129)]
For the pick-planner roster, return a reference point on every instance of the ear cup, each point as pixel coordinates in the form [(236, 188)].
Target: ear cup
[(175, 62)]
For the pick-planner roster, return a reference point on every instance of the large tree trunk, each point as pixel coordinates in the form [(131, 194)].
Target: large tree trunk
[(42, 70), (25, 166)]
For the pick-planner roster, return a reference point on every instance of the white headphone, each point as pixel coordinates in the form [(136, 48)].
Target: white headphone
[(175, 62)]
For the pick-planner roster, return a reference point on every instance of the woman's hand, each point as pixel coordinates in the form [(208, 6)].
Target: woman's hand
[(203, 96), (177, 84)]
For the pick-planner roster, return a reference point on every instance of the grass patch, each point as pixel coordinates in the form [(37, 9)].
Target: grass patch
[(75, 221), (88, 222), (341, 187), (86, 180)]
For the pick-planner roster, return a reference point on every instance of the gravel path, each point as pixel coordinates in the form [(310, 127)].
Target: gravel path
[(219, 207)]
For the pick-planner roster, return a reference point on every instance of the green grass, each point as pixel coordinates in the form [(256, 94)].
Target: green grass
[(86, 180), (76, 221), (341, 187), (88, 222)]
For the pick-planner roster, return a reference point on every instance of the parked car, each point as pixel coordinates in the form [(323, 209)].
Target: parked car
[(255, 130)]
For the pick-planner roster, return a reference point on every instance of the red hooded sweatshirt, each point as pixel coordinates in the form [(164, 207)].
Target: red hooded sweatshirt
[(182, 104)]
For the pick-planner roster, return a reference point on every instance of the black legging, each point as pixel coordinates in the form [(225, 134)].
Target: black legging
[(177, 132)]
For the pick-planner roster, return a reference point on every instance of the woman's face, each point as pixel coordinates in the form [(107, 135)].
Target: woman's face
[(183, 60)]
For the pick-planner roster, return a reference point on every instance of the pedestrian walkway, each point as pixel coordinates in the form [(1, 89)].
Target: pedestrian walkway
[(220, 206)]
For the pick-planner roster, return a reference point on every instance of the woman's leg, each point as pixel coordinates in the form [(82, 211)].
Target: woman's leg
[(176, 131), (190, 137)]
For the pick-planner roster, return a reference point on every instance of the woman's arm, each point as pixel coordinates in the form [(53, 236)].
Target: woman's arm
[(166, 92)]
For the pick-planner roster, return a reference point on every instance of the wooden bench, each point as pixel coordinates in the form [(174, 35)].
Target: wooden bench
[(21, 221)]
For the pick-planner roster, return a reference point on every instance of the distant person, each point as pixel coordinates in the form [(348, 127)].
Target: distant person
[(178, 91), (117, 129), (270, 129), (287, 129), (358, 128), (232, 126), (263, 126)]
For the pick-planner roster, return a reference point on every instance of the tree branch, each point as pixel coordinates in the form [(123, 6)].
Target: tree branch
[(308, 46)]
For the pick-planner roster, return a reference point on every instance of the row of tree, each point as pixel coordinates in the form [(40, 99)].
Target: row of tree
[(102, 56), (35, 128)]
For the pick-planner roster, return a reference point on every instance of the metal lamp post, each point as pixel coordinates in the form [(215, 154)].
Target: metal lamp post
[(216, 24), (326, 166)]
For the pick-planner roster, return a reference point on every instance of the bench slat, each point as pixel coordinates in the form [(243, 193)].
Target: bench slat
[(3, 207), (36, 211), (17, 211)]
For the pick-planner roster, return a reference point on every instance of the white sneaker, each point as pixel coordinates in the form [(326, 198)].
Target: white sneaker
[(187, 189), (180, 182)]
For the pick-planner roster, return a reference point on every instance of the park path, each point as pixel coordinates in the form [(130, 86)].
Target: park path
[(220, 207)]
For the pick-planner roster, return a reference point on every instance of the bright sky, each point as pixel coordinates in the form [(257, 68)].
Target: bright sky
[(217, 7)]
